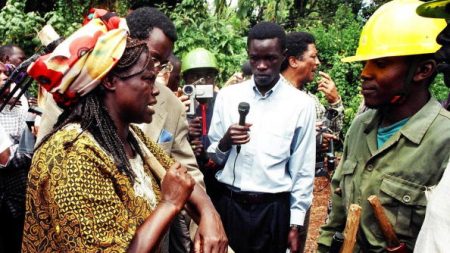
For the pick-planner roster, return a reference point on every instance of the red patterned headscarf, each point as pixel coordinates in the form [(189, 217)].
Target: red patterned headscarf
[(80, 62)]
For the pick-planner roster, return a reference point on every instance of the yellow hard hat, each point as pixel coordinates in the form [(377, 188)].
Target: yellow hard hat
[(435, 9), (395, 29)]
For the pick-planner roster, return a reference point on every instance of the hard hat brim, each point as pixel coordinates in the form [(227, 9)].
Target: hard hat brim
[(357, 58), (366, 57), (435, 9)]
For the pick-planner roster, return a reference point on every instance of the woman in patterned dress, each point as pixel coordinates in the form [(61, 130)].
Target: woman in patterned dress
[(93, 184)]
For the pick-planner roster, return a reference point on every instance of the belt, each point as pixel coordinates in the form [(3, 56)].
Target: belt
[(253, 197)]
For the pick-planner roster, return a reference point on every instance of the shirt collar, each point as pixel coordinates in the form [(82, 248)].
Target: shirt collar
[(282, 81), (293, 85), (416, 127)]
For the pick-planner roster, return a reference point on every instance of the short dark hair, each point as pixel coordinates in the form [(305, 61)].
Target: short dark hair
[(6, 50), (142, 21), (267, 30), (296, 45)]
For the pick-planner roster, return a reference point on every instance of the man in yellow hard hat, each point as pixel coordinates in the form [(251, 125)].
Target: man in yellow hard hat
[(434, 235), (399, 148)]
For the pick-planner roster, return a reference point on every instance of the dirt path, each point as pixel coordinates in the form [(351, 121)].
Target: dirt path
[(319, 211)]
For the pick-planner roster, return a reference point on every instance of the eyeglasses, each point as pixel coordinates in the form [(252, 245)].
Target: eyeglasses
[(162, 68)]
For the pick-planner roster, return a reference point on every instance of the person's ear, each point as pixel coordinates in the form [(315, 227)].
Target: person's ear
[(424, 70), (109, 83), (292, 61)]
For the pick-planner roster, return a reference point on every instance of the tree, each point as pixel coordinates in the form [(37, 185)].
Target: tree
[(221, 34), (336, 25)]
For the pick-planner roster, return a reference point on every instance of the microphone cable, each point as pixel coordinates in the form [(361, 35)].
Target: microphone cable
[(234, 168)]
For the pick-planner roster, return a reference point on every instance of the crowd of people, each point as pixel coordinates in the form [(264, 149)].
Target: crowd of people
[(134, 149)]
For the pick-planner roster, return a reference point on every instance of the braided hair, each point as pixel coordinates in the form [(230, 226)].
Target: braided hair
[(93, 116)]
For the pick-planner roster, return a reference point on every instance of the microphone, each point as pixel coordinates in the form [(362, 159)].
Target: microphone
[(243, 110)]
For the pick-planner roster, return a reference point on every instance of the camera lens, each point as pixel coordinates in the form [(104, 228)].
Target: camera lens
[(188, 90)]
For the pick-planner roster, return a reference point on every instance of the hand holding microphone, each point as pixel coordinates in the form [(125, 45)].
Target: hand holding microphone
[(243, 110), (237, 134)]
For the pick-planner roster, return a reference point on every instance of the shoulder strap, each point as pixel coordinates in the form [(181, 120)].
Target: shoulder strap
[(158, 159)]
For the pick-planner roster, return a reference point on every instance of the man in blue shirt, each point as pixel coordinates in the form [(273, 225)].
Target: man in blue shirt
[(266, 188)]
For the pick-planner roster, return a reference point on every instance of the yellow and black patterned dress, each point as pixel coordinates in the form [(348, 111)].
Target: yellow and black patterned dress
[(78, 201)]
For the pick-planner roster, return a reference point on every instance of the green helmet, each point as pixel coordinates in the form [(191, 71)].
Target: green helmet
[(198, 58), (435, 9)]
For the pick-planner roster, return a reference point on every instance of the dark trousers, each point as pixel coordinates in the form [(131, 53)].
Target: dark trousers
[(12, 207), (179, 238), (11, 229), (255, 227)]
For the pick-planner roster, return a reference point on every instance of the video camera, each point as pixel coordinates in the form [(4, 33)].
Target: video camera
[(199, 91), (321, 170)]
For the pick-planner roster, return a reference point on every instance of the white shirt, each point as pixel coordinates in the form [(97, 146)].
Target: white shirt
[(434, 236), (280, 156), (5, 143)]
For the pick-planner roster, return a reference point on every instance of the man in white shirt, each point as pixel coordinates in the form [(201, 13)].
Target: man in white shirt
[(14, 165), (434, 235), (5, 144), (267, 187)]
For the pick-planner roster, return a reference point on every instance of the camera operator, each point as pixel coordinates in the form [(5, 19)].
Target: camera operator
[(199, 71)]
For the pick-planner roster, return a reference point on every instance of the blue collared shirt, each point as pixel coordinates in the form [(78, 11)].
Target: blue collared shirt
[(280, 156)]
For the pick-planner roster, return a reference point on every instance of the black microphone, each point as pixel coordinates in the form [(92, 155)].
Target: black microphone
[(243, 110)]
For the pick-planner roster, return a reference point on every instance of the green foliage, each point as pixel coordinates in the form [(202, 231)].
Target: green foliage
[(438, 88), (369, 9), (269, 10), (336, 24), (334, 41), (324, 10), (67, 16), (221, 34), (18, 27)]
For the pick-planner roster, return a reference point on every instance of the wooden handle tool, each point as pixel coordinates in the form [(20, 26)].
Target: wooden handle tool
[(351, 228), (394, 245)]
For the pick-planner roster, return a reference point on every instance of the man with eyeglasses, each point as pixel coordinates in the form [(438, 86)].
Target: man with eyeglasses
[(169, 128)]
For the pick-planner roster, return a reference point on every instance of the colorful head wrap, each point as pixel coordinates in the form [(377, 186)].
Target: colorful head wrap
[(80, 62)]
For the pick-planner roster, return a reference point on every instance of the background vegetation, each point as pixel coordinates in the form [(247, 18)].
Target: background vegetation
[(220, 28)]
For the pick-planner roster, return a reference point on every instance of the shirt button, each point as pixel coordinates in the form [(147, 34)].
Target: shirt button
[(406, 198), (370, 167)]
